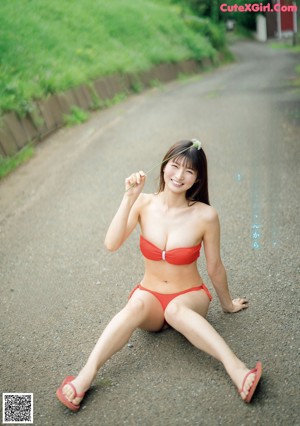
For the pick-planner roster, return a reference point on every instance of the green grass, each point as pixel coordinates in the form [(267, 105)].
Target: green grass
[(8, 164), (286, 45), (50, 46), (76, 116)]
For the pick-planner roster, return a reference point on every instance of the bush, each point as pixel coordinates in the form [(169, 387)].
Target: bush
[(214, 33)]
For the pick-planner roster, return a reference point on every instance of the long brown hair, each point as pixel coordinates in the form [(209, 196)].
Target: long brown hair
[(194, 159)]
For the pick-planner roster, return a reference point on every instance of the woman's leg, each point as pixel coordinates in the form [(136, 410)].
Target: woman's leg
[(187, 314), (142, 311)]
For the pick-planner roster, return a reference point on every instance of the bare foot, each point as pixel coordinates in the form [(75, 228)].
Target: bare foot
[(244, 390), (74, 392), (243, 380)]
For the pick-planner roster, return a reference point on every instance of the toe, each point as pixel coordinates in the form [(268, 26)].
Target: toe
[(68, 392), (247, 385)]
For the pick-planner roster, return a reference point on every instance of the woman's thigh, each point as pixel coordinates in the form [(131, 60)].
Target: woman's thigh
[(155, 319), (198, 301)]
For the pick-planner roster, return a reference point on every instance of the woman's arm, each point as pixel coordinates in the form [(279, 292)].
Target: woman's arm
[(127, 214), (215, 267)]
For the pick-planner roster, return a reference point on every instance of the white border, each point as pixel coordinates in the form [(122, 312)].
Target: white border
[(20, 394)]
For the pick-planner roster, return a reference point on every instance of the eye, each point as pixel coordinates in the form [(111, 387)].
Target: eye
[(174, 165), (190, 172)]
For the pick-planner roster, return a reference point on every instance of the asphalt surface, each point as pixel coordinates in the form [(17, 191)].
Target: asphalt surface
[(59, 287)]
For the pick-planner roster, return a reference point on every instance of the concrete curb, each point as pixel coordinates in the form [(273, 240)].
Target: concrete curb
[(48, 114)]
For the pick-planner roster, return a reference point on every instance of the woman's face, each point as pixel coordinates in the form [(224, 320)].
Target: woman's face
[(178, 177)]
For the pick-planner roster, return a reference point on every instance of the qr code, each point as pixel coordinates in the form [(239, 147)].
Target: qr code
[(17, 408)]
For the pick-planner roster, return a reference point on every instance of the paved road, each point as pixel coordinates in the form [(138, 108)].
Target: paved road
[(59, 287)]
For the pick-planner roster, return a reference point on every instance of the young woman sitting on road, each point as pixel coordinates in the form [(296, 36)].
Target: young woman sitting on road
[(174, 224)]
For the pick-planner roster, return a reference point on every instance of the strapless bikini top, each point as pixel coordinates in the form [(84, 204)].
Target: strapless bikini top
[(177, 256)]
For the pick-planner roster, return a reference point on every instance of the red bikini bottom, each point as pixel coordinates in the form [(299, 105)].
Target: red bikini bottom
[(165, 299)]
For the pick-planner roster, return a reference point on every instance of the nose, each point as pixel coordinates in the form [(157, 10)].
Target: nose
[(179, 174)]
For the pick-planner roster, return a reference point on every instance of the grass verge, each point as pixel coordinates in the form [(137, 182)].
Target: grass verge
[(48, 47), (295, 49), (8, 164)]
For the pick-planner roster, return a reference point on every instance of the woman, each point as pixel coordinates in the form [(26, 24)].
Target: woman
[(174, 223)]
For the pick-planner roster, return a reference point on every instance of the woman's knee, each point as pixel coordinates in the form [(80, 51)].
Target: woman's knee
[(171, 312), (136, 307)]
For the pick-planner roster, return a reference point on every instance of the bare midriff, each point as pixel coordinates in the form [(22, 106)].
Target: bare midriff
[(163, 277)]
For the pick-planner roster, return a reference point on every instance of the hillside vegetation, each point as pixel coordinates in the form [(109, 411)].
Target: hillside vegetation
[(50, 46)]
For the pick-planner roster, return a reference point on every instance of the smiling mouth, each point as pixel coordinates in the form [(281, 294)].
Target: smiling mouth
[(176, 183)]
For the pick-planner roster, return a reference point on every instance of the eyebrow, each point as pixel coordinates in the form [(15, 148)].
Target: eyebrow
[(176, 161)]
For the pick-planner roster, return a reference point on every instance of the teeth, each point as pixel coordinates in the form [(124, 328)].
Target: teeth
[(176, 183)]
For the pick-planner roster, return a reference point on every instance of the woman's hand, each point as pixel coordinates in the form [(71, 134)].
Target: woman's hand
[(237, 305), (134, 184)]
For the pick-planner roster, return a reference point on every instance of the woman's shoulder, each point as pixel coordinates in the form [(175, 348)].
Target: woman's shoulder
[(206, 212), (144, 199)]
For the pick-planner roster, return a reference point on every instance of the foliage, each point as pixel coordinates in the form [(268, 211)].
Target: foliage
[(7, 164), (47, 47), (77, 116), (243, 19), (211, 9), (215, 33)]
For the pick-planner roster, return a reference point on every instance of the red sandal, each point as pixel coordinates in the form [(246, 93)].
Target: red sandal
[(62, 397), (258, 372)]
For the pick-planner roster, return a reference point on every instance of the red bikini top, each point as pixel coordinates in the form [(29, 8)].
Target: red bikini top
[(177, 256)]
